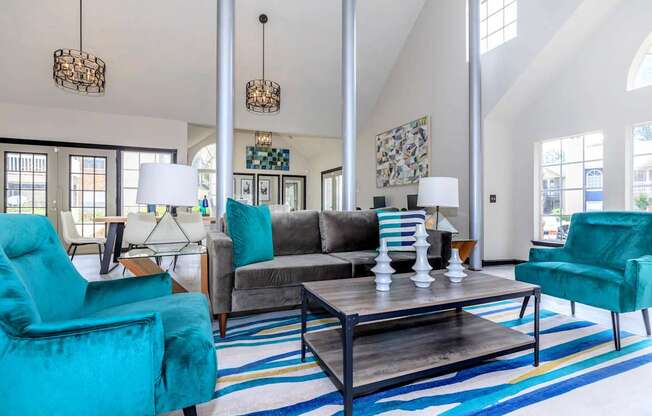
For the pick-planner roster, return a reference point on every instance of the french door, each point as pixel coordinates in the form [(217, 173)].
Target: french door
[(331, 190), (45, 180)]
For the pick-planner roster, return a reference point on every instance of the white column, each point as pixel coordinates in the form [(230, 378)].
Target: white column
[(349, 104), (476, 195), (225, 92)]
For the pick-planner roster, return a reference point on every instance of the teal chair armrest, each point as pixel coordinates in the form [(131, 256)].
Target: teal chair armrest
[(111, 366), (548, 254), (106, 294), (638, 276)]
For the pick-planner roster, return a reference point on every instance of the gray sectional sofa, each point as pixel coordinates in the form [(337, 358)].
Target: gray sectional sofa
[(308, 246)]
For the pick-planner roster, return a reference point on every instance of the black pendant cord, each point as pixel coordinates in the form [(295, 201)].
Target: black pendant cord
[(80, 26), (263, 51)]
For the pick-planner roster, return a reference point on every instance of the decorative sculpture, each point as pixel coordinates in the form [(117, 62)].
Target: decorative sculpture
[(455, 268), (422, 268), (382, 269)]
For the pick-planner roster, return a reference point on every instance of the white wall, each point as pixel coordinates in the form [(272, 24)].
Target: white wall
[(588, 94), (41, 123), (430, 77), (309, 156)]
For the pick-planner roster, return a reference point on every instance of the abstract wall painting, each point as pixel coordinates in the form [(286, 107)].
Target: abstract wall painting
[(267, 158), (402, 154)]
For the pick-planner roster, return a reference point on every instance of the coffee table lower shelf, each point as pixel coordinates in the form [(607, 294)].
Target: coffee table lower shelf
[(399, 350)]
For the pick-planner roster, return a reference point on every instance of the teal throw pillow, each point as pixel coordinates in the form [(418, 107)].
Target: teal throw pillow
[(250, 228)]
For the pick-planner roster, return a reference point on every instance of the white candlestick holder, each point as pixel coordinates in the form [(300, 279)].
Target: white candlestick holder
[(382, 269), (422, 278)]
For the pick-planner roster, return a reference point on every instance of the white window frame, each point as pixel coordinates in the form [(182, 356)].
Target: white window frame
[(485, 16), (631, 182), (538, 167)]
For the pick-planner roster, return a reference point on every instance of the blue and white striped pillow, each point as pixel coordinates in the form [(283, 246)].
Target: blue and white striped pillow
[(398, 228)]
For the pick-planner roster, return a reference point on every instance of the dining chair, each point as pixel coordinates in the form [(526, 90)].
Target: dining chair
[(192, 225), (138, 227), (72, 238)]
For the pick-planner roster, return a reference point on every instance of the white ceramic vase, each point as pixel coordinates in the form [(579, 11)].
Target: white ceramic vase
[(382, 269), (455, 267), (422, 278)]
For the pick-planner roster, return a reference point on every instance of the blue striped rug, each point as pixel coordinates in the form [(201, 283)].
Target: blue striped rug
[(260, 373)]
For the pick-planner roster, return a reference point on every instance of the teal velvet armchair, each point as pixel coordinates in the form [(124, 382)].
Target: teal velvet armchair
[(68, 347), (606, 263)]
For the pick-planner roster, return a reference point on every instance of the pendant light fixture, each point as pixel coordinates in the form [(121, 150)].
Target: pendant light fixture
[(263, 138), (79, 71), (263, 96)]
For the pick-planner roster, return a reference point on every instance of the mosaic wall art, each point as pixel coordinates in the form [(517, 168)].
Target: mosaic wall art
[(402, 154), (268, 158)]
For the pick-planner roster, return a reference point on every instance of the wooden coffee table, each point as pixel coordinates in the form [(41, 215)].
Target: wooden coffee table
[(393, 337)]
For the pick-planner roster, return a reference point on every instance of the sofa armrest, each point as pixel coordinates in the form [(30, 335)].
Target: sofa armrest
[(440, 244), (105, 294), (638, 276), (120, 357), (538, 255), (221, 273)]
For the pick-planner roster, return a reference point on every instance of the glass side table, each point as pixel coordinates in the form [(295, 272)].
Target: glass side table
[(140, 262)]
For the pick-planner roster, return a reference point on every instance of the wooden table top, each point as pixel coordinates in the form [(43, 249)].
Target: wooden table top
[(359, 295), (123, 219)]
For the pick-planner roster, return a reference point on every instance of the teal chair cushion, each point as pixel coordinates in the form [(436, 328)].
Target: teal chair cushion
[(250, 228), (583, 283), (188, 344)]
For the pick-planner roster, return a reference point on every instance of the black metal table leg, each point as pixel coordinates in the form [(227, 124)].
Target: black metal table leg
[(304, 308), (348, 325), (112, 247), (117, 250), (537, 304)]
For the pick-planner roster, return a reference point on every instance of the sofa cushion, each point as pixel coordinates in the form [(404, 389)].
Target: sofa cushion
[(250, 228), (402, 261), (398, 228), (291, 270), (188, 347), (592, 285), (348, 231), (296, 233)]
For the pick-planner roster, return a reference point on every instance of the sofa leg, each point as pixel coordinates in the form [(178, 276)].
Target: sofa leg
[(523, 307), (222, 318), (572, 308), (190, 411), (615, 320), (646, 320)]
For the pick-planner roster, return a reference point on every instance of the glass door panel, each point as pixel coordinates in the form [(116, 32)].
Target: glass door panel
[(88, 182), (29, 180)]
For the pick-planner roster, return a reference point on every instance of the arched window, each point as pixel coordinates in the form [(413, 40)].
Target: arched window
[(640, 72), (594, 179), (204, 162)]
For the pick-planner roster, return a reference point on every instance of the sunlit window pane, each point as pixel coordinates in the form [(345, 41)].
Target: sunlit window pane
[(498, 21), (571, 180)]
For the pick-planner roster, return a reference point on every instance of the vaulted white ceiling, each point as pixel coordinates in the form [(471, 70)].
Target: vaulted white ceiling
[(161, 56)]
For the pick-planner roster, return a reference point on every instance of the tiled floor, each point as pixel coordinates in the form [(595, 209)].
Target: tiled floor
[(187, 273)]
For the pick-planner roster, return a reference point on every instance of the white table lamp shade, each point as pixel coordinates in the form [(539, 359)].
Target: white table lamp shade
[(167, 184), (438, 192)]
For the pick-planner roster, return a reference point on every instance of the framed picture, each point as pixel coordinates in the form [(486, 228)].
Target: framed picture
[(293, 191), (267, 158), (268, 189), (402, 154), (263, 190), (244, 188)]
